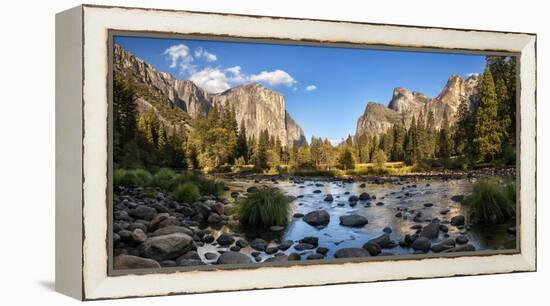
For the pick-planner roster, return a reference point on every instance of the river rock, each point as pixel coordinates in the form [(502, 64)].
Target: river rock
[(167, 246), (315, 256), (189, 262), (445, 211), (303, 246), (444, 228), (353, 220), (294, 256), (350, 253), (317, 218), (462, 239), (457, 198), (317, 191), (225, 239), (214, 218), (171, 230), (458, 220), (387, 230), (298, 215), (252, 189), (421, 244), (143, 212), (430, 231), (428, 204), (384, 241), (364, 197), (241, 243), (230, 258), (329, 198), (373, 248), (138, 235), (461, 248), (210, 255), (322, 250), (353, 198), (310, 240), (443, 245), (271, 250), (122, 262), (258, 244), (285, 245), (276, 228)]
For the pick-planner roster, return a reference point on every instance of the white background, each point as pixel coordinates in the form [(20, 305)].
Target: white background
[(27, 159)]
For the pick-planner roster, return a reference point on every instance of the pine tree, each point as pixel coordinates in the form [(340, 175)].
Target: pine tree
[(242, 143), (430, 135), (487, 137), (398, 152), (124, 115), (503, 109), (346, 160), (262, 150), (463, 128), (445, 146)]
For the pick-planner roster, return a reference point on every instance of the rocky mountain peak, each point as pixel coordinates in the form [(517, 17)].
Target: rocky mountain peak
[(260, 108), (405, 104)]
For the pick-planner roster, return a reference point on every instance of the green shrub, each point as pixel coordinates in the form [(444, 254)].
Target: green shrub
[(163, 178), (134, 177), (264, 208), (491, 202), (206, 186), (187, 192)]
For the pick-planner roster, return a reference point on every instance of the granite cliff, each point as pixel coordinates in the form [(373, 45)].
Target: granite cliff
[(175, 101), (405, 104)]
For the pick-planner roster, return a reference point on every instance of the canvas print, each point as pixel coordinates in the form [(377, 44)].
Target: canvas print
[(230, 152)]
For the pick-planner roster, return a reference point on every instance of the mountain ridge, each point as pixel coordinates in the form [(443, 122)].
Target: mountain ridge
[(404, 104), (260, 108)]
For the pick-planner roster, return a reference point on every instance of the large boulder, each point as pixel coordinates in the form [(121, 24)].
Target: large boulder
[(353, 220), (122, 262), (351, 252), (421, 244), (317, 218), (231, 258), (171, 230), (430, 231), (384, 241), (167, 246)]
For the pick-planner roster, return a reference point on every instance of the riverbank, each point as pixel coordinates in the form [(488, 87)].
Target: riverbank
[(330, 218)]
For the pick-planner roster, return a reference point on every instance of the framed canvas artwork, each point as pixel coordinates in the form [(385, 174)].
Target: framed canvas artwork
[(200, 152)]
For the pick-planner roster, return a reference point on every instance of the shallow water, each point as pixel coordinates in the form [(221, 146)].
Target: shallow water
[(395, 197)]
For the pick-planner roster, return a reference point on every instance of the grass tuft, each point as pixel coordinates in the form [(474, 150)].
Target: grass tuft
[(492, 202), (264, 208)]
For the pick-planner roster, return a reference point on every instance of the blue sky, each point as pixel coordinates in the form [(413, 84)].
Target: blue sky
[(326, 89)]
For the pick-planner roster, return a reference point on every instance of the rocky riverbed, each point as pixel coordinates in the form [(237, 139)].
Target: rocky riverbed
[(329, 219)]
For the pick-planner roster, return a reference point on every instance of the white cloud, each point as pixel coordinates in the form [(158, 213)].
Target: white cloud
[(311, 87), (274, 78), (236, 76), (211, 79), (179, 53), (471, 74), (209, 57)]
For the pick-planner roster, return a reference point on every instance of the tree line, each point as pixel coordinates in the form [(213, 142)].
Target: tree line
[(484, 131)]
